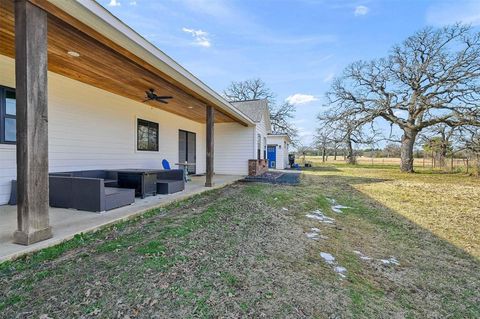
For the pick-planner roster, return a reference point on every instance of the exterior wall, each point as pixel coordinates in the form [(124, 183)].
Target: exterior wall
[(92, 129), (261, 129), (233, 148), (281, 158)]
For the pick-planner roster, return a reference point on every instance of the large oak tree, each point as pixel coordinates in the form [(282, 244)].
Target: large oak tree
[(431, 78), (281, 115)]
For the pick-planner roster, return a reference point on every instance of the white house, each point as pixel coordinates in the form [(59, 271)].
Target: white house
[(277, 150), (74, 98), (258, 112)]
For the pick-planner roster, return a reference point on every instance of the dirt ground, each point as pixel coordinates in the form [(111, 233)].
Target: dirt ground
[(243, 251)]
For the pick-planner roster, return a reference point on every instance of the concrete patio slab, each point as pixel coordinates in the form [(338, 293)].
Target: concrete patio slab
[(68, 222)]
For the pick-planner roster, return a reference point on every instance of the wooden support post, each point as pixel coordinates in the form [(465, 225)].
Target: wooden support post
[(32, 126), (210, 145)]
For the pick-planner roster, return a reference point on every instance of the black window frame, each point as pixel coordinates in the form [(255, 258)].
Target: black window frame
[(4, 115), (149, 124)]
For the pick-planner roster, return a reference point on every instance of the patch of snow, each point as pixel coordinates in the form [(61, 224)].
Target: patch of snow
[(285, 209), (390, 261), (314, 217), (361, 255), (329, 259), (338, 208), (314, 234), (318, 215), (341, 271), (335, 207)]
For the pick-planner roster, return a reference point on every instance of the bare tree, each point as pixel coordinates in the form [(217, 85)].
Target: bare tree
[(440, 139), (346, 128), (251, 89), (323, 140), (280, 114), (431, 78), (470, 138), (392, 150)]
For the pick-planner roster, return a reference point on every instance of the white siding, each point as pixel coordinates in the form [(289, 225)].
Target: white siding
[(281, 158), (261, 129), (233, 148), (92, 129)]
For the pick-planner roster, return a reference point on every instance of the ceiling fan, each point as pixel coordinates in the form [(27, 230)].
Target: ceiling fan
[(151, 96)]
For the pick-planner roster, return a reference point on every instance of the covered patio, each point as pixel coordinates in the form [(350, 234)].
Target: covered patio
[(66, 223), (81, 79)]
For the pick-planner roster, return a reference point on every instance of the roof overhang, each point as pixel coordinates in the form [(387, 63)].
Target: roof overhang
[(102, 21)]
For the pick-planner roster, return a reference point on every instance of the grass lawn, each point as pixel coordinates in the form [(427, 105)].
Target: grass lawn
[(408, 246)]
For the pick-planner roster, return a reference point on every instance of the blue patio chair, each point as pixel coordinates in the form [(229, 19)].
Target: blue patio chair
[(166, 164)]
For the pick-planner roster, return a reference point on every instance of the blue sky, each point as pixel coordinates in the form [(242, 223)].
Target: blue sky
[(296, 47)]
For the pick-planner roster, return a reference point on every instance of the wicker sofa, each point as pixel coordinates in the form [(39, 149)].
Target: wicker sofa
[(84, 190), (98, 191)]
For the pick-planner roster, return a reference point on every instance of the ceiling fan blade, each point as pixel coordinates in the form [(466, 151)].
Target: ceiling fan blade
[(164, 97)]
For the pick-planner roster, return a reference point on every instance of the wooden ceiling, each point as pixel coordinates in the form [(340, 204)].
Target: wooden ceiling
[(102, 63)]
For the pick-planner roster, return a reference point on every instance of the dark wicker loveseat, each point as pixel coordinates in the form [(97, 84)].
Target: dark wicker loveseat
[(84, 190)]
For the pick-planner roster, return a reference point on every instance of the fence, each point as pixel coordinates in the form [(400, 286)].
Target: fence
[(455, 164)]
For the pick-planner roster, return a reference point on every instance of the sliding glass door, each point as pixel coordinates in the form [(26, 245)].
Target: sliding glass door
[(187, 149)]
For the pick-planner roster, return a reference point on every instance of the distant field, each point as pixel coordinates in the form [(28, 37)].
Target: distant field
[(458, 164)]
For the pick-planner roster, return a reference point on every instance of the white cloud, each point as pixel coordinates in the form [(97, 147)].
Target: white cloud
[(300, 99), (465, 11), (114, 3), (200, 37), (361, 10)]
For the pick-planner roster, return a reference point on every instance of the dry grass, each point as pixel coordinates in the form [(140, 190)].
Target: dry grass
[(445, 204), (242, 251)]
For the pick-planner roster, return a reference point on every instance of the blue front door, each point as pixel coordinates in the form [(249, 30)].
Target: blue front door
[(272, 156)]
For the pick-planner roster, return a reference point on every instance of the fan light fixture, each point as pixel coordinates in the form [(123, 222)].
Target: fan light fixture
[(151, 96)]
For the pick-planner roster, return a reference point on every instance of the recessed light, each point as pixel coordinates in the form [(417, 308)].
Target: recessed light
[(190, 107), (73, 53)]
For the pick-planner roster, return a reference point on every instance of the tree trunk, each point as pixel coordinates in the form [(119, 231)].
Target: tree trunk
[(406, 153), (350, 155), (443, 155), (477, 164), (323, 155), (335, 155)]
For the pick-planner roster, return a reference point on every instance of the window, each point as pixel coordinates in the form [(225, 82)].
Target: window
[(259, 146), (147, 136), (8, 115)]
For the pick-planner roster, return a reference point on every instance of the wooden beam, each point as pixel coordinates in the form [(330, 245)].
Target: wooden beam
[(210, 145), (32, 128)]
